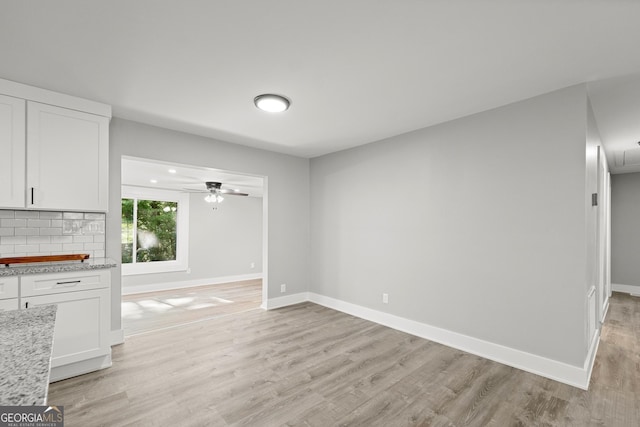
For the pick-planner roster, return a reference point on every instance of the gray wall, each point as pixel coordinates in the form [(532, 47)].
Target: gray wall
[(477, 225), (222, 243), (287, 197), (625, 229)]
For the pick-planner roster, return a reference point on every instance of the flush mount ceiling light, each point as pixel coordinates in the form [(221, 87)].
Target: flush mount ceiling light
[(271, 103)]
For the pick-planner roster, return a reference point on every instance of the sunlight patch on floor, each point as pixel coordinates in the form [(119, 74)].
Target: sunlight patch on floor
[(156, 306), (179, 301), (199, 306), (131, 310), (149, 312)]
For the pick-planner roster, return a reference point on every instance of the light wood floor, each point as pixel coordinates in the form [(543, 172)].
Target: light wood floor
[(158, 310), (307, 365)]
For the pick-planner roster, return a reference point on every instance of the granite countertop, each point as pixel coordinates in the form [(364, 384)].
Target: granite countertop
[(26, 340), (56, 267)]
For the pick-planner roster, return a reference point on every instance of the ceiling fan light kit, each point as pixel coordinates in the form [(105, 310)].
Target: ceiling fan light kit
[(213, 198), (272, 103), (214, 195)]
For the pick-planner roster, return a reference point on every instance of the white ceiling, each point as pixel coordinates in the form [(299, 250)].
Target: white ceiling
[(356, 71), (140, 172)]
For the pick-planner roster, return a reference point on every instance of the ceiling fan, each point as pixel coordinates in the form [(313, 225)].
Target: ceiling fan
[(215, 192)]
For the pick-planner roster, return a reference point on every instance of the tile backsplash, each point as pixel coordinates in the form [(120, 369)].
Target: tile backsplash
[(24, 233)]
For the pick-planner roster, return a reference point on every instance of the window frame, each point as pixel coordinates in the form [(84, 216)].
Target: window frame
[(181, 263)]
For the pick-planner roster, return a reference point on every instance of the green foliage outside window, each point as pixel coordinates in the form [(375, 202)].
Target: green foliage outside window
[(127, 231), (155, 230)]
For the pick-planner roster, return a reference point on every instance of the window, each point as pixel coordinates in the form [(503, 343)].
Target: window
[(154, 230)]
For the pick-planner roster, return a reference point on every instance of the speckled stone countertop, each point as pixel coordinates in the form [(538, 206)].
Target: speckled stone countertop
[(26, 339), (56, 267)]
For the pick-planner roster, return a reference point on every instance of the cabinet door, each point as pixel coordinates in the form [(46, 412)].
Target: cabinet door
[(82, 324), (12, 152), (8, 287), (67, 158), (8, 304)]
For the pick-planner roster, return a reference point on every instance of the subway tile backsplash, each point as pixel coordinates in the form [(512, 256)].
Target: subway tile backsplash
[(25, 233)]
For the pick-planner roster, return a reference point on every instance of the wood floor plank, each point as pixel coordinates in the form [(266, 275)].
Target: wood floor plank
[(307, 365)]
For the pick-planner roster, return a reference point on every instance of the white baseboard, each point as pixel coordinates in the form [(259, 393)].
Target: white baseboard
[(628, 289), (284, 301), (153, 287), (116, 337), (569, 374)]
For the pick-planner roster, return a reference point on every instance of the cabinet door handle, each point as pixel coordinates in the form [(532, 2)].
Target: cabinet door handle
[(32, 195), (69, 283), (26, 304)]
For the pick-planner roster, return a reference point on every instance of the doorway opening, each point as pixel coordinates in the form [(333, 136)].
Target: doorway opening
[(193, 243)]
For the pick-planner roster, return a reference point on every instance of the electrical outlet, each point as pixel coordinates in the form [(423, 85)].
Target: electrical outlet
[(283, 288), (385, 298), (253, 265)]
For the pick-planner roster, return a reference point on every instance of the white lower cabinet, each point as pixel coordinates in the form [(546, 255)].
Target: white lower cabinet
[(9, 293), (81, 335), (8, 287), (9, 304)]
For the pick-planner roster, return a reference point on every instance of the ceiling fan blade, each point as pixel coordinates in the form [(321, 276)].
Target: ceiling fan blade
[(193, 190), (213, 187), (233, 192)]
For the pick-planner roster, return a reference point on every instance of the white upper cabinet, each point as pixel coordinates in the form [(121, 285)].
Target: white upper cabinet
[(12, 157), (54, 150), (67, 159)]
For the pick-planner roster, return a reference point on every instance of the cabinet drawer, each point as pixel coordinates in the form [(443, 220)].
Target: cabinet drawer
[(46, 284), (8, 287), (9, 304)]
